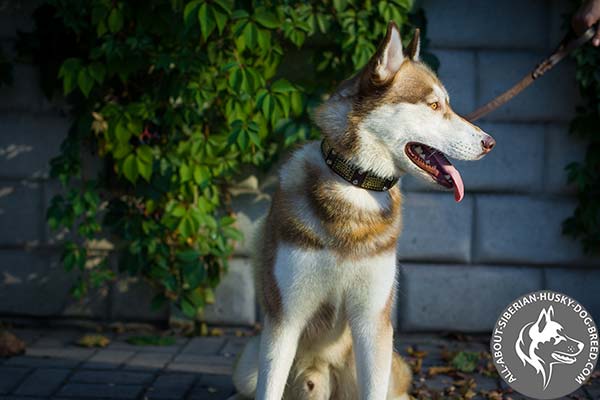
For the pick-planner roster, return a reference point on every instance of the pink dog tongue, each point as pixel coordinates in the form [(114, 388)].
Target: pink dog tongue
[(448, 168)]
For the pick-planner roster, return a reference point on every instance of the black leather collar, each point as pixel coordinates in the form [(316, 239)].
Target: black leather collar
[(363, 179)]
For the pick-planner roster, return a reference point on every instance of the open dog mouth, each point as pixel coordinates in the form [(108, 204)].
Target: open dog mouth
[(435, 163), (563, 358)]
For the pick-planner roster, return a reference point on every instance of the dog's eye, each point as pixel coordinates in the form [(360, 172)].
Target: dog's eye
[(435, 105)]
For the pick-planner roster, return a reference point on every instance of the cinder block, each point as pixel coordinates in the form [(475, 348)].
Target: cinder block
[(580, 283), (251, 199), (472, 23), (21, 216), (16, 16), (436, 228), (459, 297), (558, 24), (515, 164), (521, 229), (131, 301), (28, 143), (25, 93), (561, 150), (235, 300), (457, 73), (36, 284), (551, 98), (249, 209)]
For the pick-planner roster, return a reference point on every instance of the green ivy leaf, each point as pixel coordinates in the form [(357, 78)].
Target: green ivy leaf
[(250, 34), (220, 19), (187, 227), (243, 140), (130, 169), (236, 78), (115, 20), (122, 132), (97, 71), (224, 5), (144, 168), (207, 23), (340, 5), (282, 86), (188, 308), (266, 18), (189, 11), (85, 81), (69, 71), (185, 173), (201, 174), (188, 256), (268, 104), (144, 153)]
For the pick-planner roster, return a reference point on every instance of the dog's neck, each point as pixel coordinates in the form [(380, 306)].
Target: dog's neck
[(352, 141)]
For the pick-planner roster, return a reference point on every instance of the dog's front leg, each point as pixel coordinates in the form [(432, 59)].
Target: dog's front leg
[(369, 307), (279, 341), (373, 343)]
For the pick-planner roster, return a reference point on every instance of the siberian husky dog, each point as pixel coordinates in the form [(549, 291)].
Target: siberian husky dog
[(326, 257)]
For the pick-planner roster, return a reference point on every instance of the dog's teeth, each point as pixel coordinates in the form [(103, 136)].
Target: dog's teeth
[(447, 176)]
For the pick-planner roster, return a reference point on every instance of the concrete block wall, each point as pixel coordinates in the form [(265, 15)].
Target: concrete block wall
[(32, 281), (460, 264), (505, 238)]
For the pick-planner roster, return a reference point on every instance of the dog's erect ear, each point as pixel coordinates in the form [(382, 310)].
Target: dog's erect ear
[(544, 318), (414, 47), (388, 58)]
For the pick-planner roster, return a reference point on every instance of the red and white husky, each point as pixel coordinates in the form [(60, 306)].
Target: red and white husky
[(326, 258)]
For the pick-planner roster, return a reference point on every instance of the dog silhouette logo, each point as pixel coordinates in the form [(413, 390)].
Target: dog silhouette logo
[(545, 345)]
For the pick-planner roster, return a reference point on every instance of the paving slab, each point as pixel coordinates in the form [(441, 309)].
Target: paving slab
[(171, 386), (212, 387), (112, 377), (82, 390), (204, 371), (10, 377), (40, 362), (204, 346), (148, 361), (43, 382), (108, 359)]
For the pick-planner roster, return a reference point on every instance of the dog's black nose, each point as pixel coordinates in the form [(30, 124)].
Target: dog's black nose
[(488, 144)]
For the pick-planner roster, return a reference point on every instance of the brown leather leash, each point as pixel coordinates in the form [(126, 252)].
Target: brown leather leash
[(569, 43)]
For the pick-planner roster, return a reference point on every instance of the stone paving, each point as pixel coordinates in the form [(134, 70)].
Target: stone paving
[(199, 368)]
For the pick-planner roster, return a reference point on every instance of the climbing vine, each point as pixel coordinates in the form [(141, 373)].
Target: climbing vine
[(176, 98), (584, 224)]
